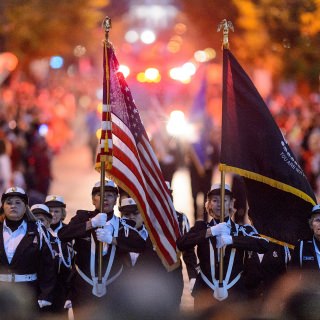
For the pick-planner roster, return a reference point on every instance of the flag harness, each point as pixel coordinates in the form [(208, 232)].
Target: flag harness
[(100, 289), (214, 285)]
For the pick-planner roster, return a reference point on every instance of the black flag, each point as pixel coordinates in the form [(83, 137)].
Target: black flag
[(279, 196)]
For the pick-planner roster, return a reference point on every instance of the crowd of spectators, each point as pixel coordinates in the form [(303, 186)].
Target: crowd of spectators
[(36, 123), (38, 120), (298, 118)]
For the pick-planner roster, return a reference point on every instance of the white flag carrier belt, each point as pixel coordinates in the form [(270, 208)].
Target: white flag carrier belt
[(105, 281), (214, 285), (13, 277)]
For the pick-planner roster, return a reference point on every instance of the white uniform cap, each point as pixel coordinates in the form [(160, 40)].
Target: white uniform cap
[(15, 191), (316, 208), (216, 187), (41, 208), (55, 201), (108, 184), (127, 202)]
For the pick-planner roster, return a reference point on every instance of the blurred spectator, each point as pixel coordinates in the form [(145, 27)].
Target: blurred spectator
[(5, 167), (93, 123), (38, 166), (16, 303), (202, 159)]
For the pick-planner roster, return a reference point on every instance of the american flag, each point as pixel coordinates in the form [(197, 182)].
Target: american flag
[(132, 164)]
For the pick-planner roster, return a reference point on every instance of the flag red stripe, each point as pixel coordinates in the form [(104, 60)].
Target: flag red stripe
[(122, 157), (123, 178), (162, 196)]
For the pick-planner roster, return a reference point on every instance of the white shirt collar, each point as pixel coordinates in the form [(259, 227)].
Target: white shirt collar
[(23, 226)]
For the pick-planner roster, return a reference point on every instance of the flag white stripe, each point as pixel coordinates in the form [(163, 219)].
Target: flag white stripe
[(155, 223), (157, 184)]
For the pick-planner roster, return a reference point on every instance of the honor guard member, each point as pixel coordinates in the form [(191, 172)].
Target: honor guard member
[(209, 238), (25, 258), (42, 213), (189, 256), (87, 229), (306, 254), (63, 255), (263, 270), (162, 290)]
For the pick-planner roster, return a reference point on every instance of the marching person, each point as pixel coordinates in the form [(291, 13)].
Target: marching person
[(63, 255), (306, 254), (26, 259), (162, 289), (263, 270), (87, 229), (213, 238), (189, 256), (42, 213)]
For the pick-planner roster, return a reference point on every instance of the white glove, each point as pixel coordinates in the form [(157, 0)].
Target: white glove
[(105, 234), (192, 281), (220, 229), (44, 303), (224, 240), (67, 304), (99, 220)]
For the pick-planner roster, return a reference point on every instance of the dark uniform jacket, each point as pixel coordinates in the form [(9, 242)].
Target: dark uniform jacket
[(260, 276), (244, 238), (76, 229), (63, 257), (305, 256), (189, 256), (167, 286), (30, 258)]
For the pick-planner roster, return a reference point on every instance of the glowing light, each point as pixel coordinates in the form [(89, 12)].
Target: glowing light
[(141, 77), (180, 28), (200, 56), (189, 68), (147, 37), (124, 69), (177, 125), (152, 74), (210, 53), (79, 51), (43, 130), (180, 74), (8, 61), (99, 107), (56, 62), (98, 133), (173, 46), (131, 36)]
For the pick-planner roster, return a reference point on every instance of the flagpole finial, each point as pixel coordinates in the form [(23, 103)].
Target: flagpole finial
[(106, 25), (225, 25)]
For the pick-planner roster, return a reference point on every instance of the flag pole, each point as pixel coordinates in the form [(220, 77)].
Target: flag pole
[(106, 24), (225, 26)]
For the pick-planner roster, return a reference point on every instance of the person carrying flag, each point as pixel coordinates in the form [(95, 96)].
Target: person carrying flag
[(209, 238), (87, 229), (162, 289)]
